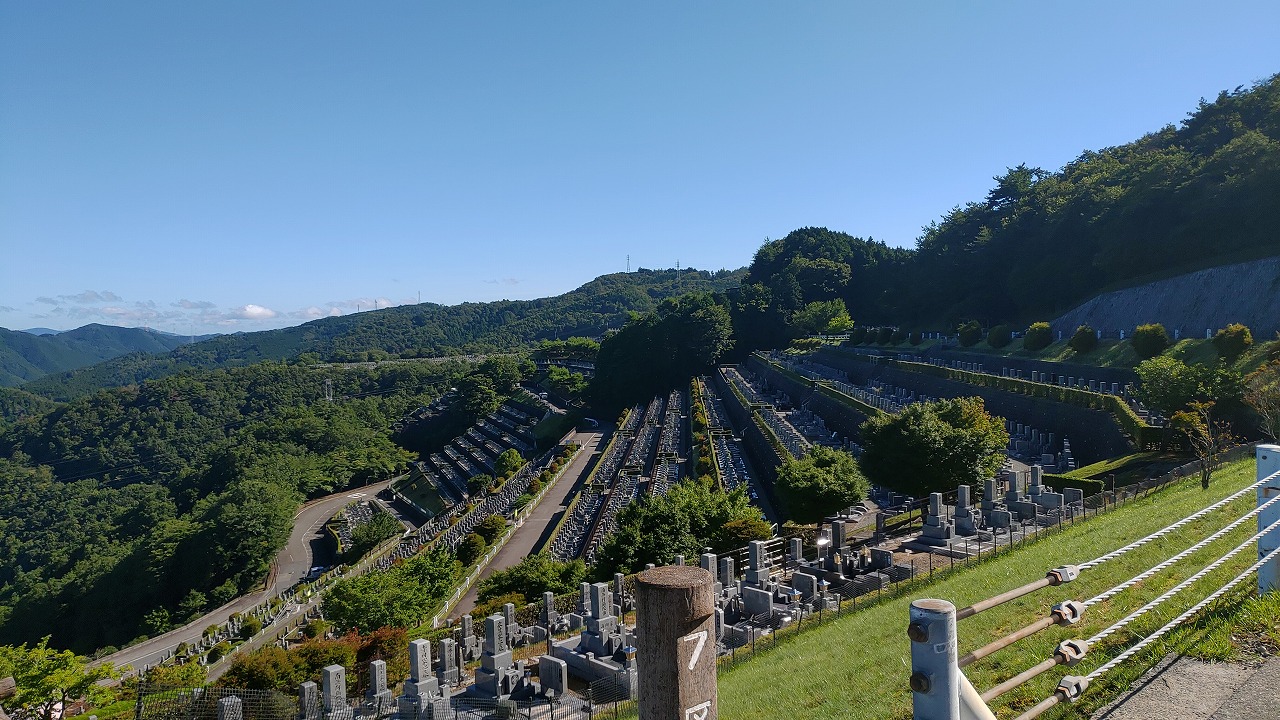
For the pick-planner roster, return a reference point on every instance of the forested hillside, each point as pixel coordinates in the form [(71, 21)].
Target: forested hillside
[(425, 330), (136, 509), (24, 356), (1201, 194)]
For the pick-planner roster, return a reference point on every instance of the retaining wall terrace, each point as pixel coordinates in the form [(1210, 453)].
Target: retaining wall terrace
[(1094, 434)]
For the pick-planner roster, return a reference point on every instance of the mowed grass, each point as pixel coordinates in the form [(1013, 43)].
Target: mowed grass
[(857, 666)]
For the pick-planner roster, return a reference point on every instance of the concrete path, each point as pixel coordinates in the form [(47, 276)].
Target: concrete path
[(544, 517), (1190, 689)]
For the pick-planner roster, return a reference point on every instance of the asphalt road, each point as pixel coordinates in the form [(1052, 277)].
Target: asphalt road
[(543, 518), (292, 564)]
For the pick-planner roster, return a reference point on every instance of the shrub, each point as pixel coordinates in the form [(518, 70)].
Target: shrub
[(249, 627), (219, 651), (1150, 340), (1084, 340), (1232, 341), (969, 333), (858, 336), (999, 336), (491, 527), (315, 629), (915, 338), (898, 337), (883, 335), (470, 549), (1039, 336)]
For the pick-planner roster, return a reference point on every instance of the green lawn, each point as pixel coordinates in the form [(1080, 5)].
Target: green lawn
[(1129, 469), (857, 666)]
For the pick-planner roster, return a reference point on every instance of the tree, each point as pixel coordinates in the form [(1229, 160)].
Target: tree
[(823, 317), (1206, 436), (858, 335), (1169, 385), (1232, 341), (999, 336), (533, 576), (401, 596), (1038, 337), (249, 627), (471, 548), (477, 484), (491, 528), (1262, 393), (884, 334), (933, 447), (187, 675), (898, 337), (969, 333), (508, 463), (819, 485), (914, 338), (1150, 340), (1084, 340), (692, 516), (47, 679)]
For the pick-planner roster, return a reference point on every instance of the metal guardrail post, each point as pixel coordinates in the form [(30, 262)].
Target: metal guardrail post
[(935, 676), (1268, 467)]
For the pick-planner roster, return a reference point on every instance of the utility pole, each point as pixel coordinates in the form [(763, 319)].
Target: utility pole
[(628, 262)]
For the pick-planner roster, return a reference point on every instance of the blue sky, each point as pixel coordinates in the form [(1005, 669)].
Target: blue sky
[(221, 166)]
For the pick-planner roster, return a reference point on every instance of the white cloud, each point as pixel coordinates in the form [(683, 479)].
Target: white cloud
[(252, 312), (314, 313), (186, 304), (89, 297)]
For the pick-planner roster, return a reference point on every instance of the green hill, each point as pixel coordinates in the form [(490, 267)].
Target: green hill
[(1198, 195), (425, 330), (25, 357)]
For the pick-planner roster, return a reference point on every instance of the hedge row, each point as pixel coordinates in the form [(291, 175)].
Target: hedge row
[(1088, 485)]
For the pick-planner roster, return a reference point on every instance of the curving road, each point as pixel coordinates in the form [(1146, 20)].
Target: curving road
[(306, 543)]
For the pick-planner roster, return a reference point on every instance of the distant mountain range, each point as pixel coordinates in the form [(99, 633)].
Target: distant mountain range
[(423, 330), (31, 354)]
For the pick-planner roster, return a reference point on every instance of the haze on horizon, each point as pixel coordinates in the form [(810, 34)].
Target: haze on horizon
[(214, 168)]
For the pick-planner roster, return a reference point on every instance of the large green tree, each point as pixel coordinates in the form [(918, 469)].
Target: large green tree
[(821, 484), (533, 576), (48, 680), (933, 447), (692, 516)]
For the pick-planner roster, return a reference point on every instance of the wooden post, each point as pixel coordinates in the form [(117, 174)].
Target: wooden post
[(675, 629)]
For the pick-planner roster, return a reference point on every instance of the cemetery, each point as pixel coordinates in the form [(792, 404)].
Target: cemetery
[(437, 485)]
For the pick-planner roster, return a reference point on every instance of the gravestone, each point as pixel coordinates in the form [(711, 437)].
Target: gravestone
[(758, 563), (757, 601), (795, 550), (838, 535), (229, 708), (448, 673), (553, 675), (470, 644), (727, 575), (966, 520), (707, 561), (805, 584), (937, 528), (378, 691), (309, 701)]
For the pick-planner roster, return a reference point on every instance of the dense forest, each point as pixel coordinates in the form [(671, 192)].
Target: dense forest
[(425, 330), (25, 357), (135, 509), (1204, 193)]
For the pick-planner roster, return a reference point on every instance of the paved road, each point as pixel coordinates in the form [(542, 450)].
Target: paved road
[(544, 517), (1194, 690), (292, 564)]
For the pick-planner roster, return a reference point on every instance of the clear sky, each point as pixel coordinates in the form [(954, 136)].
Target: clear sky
[(221, 166)]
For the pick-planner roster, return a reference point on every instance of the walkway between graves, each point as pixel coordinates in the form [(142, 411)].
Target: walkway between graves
[(525, 538)]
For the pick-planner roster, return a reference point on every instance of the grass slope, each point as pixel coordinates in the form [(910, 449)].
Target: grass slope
[(857, 666)]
